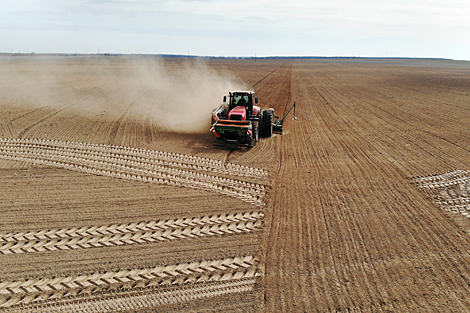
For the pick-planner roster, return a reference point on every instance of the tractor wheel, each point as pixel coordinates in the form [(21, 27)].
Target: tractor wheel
[(254, 136), (255, 131), (267, 124)]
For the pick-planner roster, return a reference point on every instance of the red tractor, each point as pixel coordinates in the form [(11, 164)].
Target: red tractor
[(240, 123)]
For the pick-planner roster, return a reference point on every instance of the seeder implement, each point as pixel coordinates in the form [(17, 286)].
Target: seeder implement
[(232, 133), (277, 125)]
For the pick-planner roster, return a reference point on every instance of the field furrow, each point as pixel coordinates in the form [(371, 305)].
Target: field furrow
[(358, 234), (362, 204)]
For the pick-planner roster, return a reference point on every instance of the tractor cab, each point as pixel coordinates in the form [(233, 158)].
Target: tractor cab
[(241, 104)]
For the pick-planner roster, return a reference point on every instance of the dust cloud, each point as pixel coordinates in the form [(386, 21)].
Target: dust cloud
[(176, 94), (182, 95)]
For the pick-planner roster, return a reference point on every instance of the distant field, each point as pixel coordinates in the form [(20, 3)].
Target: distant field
[(114, 198)]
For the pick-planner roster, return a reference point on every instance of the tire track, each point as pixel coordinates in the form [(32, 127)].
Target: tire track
[(126, 234), (139, 299), (27, 129), (450, 190), (6, 128), (263, 81), (134, 154), (13, 293), (278, 95), (443, 180), (118, 123), (59, 109), (137, 167)]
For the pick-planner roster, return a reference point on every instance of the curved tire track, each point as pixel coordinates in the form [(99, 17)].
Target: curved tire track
[(103, 160)]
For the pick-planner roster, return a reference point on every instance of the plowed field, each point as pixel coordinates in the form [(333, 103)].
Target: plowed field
[(361, 205)]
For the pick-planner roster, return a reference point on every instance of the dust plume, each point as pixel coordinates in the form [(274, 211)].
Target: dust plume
[(175, 94), (183, 95)]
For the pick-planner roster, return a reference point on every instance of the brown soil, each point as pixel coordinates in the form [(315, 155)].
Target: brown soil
[(346, 227)]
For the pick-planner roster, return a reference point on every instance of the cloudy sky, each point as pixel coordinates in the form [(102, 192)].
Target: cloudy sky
[(398, 28)]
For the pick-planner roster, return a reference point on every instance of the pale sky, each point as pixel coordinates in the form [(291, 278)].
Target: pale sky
[(366, 28)]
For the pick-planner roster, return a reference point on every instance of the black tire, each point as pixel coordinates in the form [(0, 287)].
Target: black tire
[(267, 124), (255, 131), (254, 135)]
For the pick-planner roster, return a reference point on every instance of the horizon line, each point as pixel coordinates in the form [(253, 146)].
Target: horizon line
[(217, 57)]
